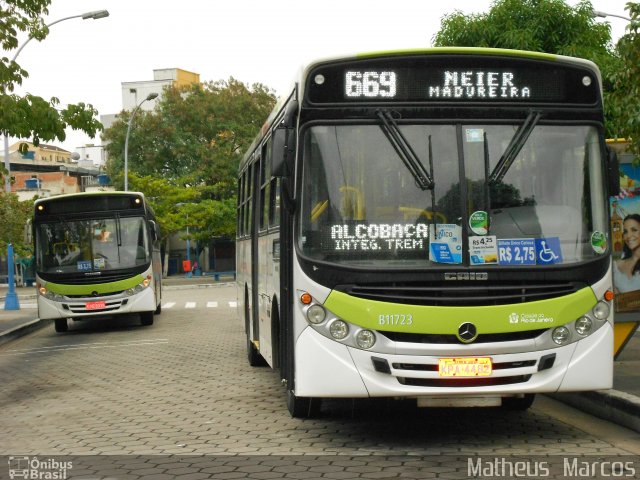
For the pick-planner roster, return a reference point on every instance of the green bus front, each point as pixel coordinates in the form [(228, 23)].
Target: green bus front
[(451, 233), (96, 255)]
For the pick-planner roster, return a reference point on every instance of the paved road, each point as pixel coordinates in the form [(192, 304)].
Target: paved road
[(183, 387)]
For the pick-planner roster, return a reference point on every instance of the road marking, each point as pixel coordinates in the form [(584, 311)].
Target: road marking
[(233, 304), (168, 305), (212, 304), (87, 346), (190, 305), (22, 305)]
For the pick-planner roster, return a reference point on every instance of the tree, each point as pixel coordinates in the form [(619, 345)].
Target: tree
[(195, 136), (625, 97), (30, 116), (13, 222), (549, 26)]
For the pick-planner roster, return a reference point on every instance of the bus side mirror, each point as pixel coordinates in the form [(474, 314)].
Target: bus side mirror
[(282, 151), (155, 233), (613, 172)]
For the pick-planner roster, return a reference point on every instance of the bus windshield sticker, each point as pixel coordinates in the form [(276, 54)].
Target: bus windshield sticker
[(517, 251), (479, 222), (446, 247), (598, 242), (548, 251), (99, 263), (378, 237), (483, 250), (84, 266), (474, 135)]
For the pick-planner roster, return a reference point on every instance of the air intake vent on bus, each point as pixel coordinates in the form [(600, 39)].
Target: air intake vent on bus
[(463, 294)]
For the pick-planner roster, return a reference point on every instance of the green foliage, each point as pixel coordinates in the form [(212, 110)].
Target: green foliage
[(177, 208), (31, 116), (13, 222), (195, 136), (625, 98)]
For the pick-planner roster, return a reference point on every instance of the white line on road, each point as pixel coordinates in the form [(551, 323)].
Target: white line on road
[(233, 304), (85, 346), (168, 305), (190, 305), (212, 304)]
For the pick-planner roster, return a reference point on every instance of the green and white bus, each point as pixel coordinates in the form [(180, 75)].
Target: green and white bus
[(97, 255), (432, 225)]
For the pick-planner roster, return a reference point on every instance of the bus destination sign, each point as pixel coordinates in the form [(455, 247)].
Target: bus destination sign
[(452, 79)]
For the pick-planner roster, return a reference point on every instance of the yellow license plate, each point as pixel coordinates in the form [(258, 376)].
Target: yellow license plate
[(464, 367)]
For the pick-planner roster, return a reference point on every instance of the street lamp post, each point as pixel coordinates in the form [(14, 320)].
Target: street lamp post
[(85, 16), (600, 14), (151, 96)]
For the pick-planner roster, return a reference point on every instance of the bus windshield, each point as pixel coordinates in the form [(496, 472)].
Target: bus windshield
[(362, 205), (90, 245)]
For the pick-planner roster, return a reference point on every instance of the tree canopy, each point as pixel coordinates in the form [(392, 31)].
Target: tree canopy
[(184, 155)]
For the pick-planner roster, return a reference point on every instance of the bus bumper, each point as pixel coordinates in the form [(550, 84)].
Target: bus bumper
[(325, 368), (78, 308)]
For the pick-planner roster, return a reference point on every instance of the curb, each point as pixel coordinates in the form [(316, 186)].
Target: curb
[(612, 405), (20, 330), (199, 285)]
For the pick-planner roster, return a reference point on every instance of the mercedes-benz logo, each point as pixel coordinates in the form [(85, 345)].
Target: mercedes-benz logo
[(467, 332)]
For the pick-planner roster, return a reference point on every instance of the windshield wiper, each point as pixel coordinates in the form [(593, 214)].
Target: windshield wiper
[(404, 150), (515, 145)]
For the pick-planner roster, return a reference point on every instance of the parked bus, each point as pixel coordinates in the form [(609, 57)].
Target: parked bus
[(431, 225), (97, 255)]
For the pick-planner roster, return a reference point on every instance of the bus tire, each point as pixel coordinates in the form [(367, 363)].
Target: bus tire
[(158, 310), (253, 355), (303, 407), (518, 404), (146, 318), (61, 325)]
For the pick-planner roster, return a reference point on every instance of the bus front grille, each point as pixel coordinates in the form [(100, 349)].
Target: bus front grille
[(464, 294), (462, 383), (429, 338)]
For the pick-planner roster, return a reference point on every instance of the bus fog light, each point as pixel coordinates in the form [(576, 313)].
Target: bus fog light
[(601, 310), (584, 325), (365, 339), (316, 314), (339, 329), (560, 335)]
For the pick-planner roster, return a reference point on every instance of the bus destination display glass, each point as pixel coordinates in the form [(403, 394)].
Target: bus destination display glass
[(452, 79)]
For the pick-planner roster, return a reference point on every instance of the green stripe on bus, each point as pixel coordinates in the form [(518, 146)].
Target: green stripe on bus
[(462, 50), (109, 287), (397, 317)]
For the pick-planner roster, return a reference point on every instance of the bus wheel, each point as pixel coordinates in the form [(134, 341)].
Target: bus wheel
[(253, 355), (146, 318), (303, 407), (158, 309), (518, 404), (61, 325)]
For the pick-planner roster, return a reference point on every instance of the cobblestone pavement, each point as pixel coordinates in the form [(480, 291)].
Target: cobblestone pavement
[(182, 387)]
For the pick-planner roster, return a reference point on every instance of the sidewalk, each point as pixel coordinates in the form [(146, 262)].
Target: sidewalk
[(620, 404)]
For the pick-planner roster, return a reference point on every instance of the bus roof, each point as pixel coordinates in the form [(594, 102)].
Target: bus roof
[(80, 195)]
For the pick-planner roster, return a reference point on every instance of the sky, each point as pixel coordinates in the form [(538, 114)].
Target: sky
[(249, 40)]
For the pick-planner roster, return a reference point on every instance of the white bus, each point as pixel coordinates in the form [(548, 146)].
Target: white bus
[(431, 224)]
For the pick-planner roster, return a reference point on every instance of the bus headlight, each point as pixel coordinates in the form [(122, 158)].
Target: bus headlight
[(137, 289), (316, 314), (365, 339), (584, 325), (560, 335), (339, 329), (601, 310)]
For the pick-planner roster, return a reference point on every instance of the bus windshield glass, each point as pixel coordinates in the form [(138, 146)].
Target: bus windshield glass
[(543, 205), (91, 245)]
